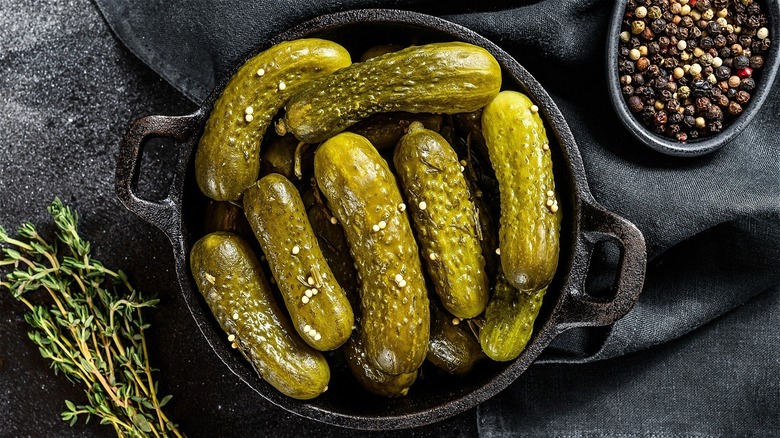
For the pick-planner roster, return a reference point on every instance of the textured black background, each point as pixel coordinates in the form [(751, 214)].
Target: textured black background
[(68, 89)]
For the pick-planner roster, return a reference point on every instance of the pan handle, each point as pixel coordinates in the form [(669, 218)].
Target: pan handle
[(579, 309), (165, 214)]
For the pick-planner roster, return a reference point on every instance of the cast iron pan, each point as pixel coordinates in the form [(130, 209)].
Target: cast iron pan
[(435, 396)]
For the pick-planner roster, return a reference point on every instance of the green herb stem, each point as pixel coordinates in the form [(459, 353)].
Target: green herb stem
[(91, 326)]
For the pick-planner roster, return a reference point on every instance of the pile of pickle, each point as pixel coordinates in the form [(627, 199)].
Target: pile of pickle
[(371, 206)]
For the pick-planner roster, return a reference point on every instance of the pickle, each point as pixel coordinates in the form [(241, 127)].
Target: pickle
[(379, 50), (226, 216), (229, 278), (509, 320), (289, 157), (445, 219), (318, 308), (444, 78), (333, 244), (529, 230), (364, 197), (452, 347), (384, 130), (227, 160), (371, 378)]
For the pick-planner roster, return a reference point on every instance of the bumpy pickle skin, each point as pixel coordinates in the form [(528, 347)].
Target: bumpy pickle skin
[(363, 195), (446, 78), (229, 278), (445, 219), (509, 320), (370, 377), (529, 229), (318, 307), (227, 160), (452, 347)]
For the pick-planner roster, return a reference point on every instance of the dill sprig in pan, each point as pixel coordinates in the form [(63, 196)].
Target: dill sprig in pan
[(88, 321)]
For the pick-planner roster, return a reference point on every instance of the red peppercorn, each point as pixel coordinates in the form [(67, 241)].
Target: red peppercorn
[(745, 72)]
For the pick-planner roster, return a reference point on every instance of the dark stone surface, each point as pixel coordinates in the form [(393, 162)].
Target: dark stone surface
[(68, 90)]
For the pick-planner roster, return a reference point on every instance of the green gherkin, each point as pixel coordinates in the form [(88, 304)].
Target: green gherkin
[(229, 278), (372, 378), (529, 231), (445, 219), (363, 195), (449, 78), (318, 307), (452, 347), (228, 157), (509, 320)]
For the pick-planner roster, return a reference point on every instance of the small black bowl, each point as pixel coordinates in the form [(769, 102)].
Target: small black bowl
[(692, 148)]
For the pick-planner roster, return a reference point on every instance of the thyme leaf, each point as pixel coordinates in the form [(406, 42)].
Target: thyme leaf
[(88, 321)]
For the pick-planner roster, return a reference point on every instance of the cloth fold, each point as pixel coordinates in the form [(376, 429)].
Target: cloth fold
[(712, 224)]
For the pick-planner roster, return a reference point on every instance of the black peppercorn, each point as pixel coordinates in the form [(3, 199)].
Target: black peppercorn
[(719, 40), (753, 22), (728, 62), (693, 134), (745, 40), (671, 63), (665, 95), (731, 93), (724, 53), (690, 110), (653, 48), (657, 59), (707, 43), (682, 33), (660, 118), (626, 67), (714, 29), (765, 45), (742, 97), (663, 42), (722, 73), (714, 113), (672, 129), (670, 29), (689, 121), (757, 47), (634, 42), (715, 126), (756, 61), (660, 83), (695, 32), (638, 79), (747, 84), (624, 52), (682, 82), (635, 104), (703, 5), (703, 104), (731, 39), (700, 88), (628, 90), (658, 26), (648, 112), (647, 92), (686, 21), (753, 9), (652, 70), (720, 4), (734, 108), (722, 101), (741, 62), (676, 117)]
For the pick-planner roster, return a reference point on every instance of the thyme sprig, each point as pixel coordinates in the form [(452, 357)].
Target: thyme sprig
[(88, 320)]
